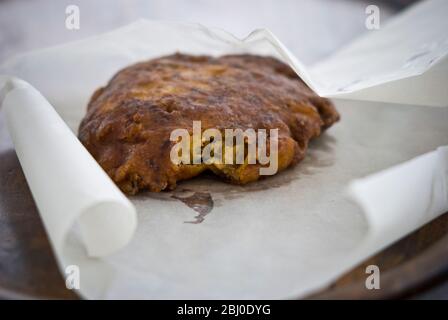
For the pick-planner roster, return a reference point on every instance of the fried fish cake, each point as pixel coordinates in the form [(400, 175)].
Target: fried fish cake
[(129, 121)]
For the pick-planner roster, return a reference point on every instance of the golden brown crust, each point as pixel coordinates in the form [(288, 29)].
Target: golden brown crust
[(128, 123)]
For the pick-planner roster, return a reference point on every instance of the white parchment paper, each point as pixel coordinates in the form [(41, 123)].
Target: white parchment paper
[(281, 237)]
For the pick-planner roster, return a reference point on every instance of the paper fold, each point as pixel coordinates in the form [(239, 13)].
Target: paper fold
[(405, 61), (398, 200), (68, 185)]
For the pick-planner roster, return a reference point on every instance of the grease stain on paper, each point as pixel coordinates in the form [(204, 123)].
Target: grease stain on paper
[(201, 202)]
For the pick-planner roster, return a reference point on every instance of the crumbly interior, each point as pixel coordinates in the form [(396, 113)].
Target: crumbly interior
[(129, 121)]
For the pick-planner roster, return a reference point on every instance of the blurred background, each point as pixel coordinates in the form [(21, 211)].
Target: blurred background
[(311, 29)]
